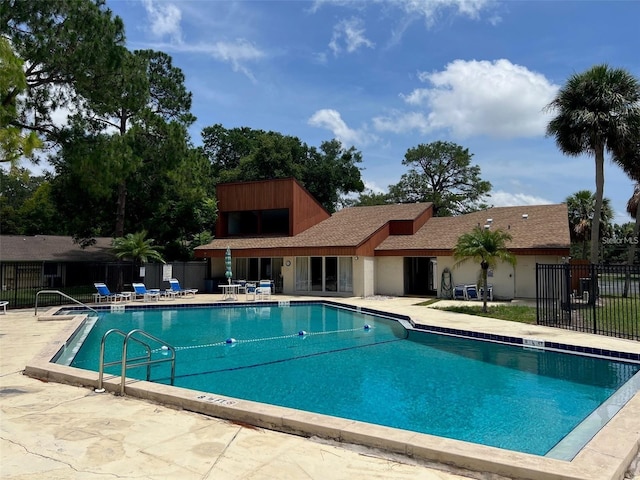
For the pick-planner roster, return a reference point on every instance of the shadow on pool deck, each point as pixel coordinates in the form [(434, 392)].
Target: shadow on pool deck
[(50, 430)]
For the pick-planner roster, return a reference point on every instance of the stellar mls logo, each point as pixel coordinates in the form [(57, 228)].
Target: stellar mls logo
[(621, 240)]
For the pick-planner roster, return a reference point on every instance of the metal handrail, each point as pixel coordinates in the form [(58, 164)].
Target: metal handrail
[(140, 361), (64, 295)]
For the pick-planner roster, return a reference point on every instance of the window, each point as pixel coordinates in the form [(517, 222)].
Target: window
[(242, 223), (275, 221), (324, 274)]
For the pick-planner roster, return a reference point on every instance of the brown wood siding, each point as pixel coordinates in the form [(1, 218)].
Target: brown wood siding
[(306, 211), (262, 195), (367, 248), (410, 227), (401, 227)]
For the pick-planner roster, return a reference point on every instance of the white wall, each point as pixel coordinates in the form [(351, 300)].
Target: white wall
[(526, 273), (390, 276), (508, 281)]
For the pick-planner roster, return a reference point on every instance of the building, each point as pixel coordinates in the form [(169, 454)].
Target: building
[(277, 230), (46, 260)]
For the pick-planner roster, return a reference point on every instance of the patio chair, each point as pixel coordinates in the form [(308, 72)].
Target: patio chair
[(250, 291), (107, 295), (459, 292), (489, 292), (175, 286), (472, 292), (263, 291), (140, 291)]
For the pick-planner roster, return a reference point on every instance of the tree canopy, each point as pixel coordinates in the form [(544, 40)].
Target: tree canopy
[(441, 173), (69, 48), (245, 154)]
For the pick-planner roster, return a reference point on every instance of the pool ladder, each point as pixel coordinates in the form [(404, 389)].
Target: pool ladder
[(141, 361)]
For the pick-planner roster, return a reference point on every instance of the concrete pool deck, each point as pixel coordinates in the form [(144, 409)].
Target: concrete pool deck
[(51, 430)]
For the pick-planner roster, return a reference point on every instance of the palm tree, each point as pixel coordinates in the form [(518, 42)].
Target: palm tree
[(485, 247), (581, 207), (596, 111), (137, 248)]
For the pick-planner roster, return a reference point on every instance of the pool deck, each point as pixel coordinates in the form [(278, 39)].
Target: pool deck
[(51, 430)]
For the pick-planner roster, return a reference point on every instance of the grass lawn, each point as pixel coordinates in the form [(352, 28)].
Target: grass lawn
[(514, 313), (621, 315)]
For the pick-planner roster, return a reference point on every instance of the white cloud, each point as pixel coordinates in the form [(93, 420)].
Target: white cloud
[(348, 35), (501, 198), (237, 54), (165, 19), (331, 120), (400, 122), (430, 9), (497, 99)]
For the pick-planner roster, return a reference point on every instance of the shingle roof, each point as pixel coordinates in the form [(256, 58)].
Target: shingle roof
[(348, 227), (545, 226), (52, 248)]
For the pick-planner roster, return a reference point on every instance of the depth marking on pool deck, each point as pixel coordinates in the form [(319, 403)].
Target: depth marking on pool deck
[(533, 343), (217, 400)]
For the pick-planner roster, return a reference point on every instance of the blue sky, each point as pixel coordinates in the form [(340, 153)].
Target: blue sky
[(386, 76)]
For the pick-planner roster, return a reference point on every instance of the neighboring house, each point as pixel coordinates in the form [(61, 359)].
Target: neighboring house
[(43, 260), (277, 230)]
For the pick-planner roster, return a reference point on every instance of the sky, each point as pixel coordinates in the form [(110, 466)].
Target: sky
[(387, 76)]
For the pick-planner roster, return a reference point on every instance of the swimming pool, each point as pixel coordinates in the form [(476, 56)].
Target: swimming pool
[(323, 359)]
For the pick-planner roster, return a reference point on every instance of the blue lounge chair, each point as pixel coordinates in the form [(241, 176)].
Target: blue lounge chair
[(107, 295), (472, 292), (175, 287), (140, 291), (489, 292), (459, 292)]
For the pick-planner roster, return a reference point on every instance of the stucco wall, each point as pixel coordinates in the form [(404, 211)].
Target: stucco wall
[(390, 276), (508, 282)]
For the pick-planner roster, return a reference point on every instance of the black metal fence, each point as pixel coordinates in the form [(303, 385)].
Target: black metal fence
[(602, 299), (20, 281)]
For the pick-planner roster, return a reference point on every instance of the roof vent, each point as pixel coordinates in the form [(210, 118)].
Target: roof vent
[(489, 221), (487, 227), (525, 216)]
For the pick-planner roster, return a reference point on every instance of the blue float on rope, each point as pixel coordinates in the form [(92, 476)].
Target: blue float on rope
[(231, 340), (367, 326), (302, 333)]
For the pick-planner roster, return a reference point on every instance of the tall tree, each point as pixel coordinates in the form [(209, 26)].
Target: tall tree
[(441, 173), (332, 171), (14, 143), (594, 112), (486, 247), (581, 207), (69, 48), (147, 93), (244, 154)]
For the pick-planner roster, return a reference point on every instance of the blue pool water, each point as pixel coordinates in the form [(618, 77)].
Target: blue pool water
[(324, 359)]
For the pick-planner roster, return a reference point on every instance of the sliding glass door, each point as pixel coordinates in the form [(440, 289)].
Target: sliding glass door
[(324, 274)]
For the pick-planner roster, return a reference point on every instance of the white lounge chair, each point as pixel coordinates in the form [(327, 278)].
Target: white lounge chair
[(140, 291), (263, 291), (175, 287)]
